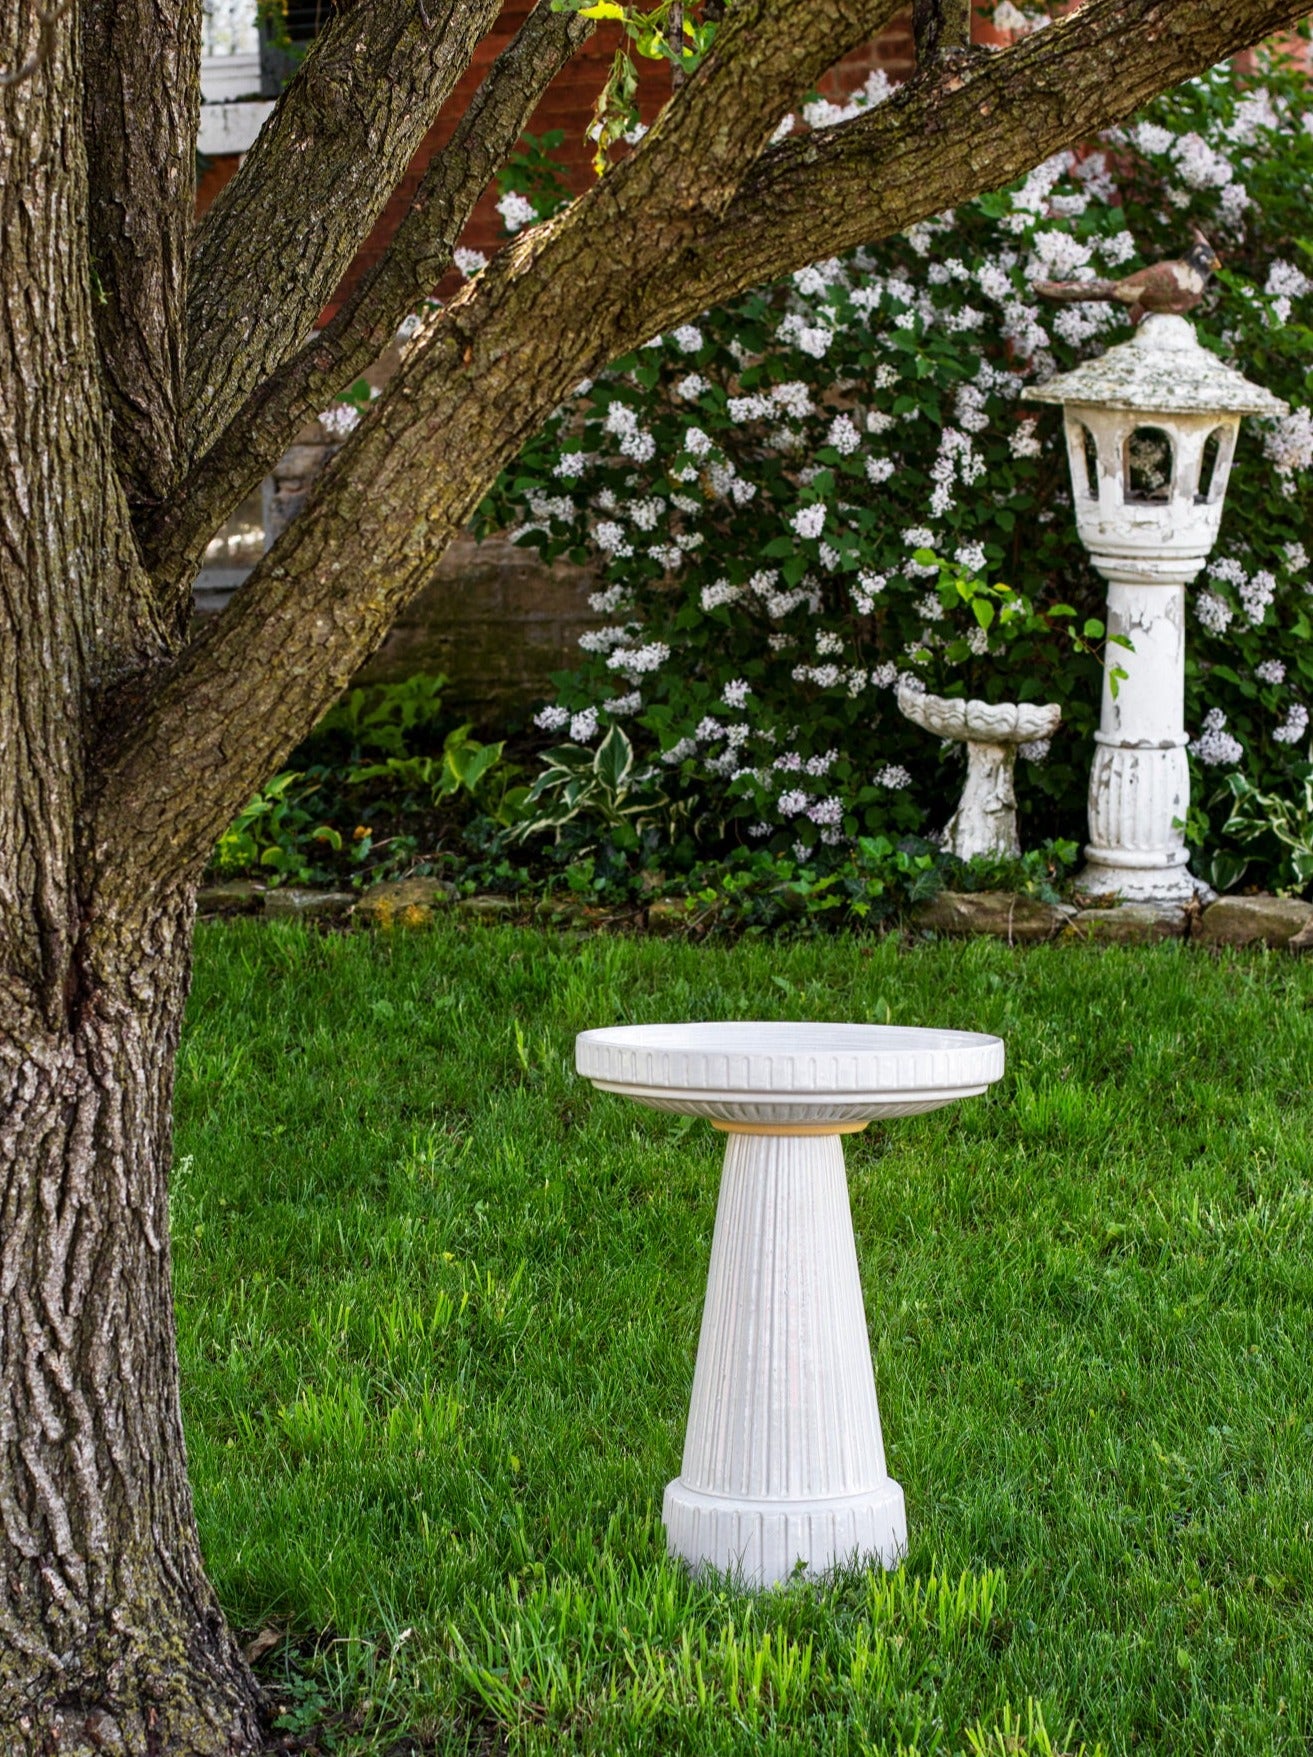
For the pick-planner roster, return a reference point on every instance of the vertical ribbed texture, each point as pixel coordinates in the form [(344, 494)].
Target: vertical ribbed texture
[(784, 1393), (1136, 796)]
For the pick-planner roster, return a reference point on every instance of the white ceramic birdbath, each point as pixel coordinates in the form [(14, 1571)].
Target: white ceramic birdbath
[(985, 821), (783, 1456)]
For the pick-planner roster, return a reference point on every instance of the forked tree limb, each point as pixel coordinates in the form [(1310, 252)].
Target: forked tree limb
[(766, 56), (270, 251), (972, 128), (141, 107), (173, 540), (556, 305), (787, 43)]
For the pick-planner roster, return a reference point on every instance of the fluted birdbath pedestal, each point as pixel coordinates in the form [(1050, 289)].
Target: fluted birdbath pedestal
[(784, 1466), (985, 821), (1151, 432)]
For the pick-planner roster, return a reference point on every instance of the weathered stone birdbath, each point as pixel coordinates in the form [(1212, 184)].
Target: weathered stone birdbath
[(783, 1456), (1151, 432), (985, 821)]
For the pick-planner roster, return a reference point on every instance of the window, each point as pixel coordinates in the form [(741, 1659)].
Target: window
[(251, 52), (230, 51)]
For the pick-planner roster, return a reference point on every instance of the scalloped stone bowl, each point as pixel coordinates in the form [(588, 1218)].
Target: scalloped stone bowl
[(784, 1466), (980, 722)]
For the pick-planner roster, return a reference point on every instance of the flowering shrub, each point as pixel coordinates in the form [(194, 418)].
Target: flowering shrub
[(833, 486)]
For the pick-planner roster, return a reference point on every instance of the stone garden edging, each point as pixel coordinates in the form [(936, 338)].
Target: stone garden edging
[(1279, 923)]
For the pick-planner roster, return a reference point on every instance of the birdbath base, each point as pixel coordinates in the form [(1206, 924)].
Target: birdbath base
[(784, 1468), (783, 1419)]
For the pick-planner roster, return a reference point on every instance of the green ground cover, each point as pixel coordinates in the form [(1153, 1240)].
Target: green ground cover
[(439, 1304)]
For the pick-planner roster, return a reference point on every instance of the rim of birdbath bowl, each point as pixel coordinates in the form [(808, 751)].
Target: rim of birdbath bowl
[(981, 722), (789, 1075)]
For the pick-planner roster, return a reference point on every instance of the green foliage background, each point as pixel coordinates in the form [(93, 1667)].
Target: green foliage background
[(907, 325)]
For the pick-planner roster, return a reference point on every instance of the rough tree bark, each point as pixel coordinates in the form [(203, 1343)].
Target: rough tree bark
[(134, 408), (939, 27), (110, 1636)]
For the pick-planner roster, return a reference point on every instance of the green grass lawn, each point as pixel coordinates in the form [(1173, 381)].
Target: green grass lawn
[(439, 1300)]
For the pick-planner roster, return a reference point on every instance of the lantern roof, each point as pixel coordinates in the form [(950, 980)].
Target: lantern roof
[(1163, 370)]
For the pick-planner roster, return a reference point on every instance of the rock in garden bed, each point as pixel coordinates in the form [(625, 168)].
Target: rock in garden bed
[(230, 897), (411, 902), (1002, 914), (294, 902), (490, 909), (1133, 924), (1261, 920)]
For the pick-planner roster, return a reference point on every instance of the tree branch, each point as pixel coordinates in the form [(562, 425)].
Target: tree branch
[(767, 53), (706, 141), (281, 234), (505, 351), (421, 250), (141, 79), (974, 127), (70, 605), (940, 27)]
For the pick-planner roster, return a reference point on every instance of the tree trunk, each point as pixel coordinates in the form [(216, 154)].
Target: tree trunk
[(112, 1639)]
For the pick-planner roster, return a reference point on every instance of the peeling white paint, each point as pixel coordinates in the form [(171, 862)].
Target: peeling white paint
[(985, 821), (1149, 528)]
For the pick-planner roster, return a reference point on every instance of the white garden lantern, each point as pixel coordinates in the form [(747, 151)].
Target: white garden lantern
[(783, 1456), (1151, 431)]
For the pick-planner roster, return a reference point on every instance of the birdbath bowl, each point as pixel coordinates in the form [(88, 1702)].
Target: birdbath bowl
[(985, 821), (784, 1469)]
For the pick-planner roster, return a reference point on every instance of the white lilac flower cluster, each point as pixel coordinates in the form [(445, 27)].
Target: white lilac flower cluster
[(339, 420), (1293, 728), (1289, 444), (1255, 590), (469, 262), (517, 211), (1284, 284), (780, 495), (1215, 747)]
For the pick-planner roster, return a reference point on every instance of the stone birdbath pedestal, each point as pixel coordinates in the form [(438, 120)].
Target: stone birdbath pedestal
[(783, 1456), (1151, 432), (985, 821)]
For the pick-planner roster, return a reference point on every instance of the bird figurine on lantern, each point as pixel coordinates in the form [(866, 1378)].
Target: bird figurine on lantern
[(1164, 289)]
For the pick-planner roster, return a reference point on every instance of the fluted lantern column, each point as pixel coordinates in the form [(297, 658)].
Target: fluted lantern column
[(1140, 776), (1151, 431), (784, 1465)]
